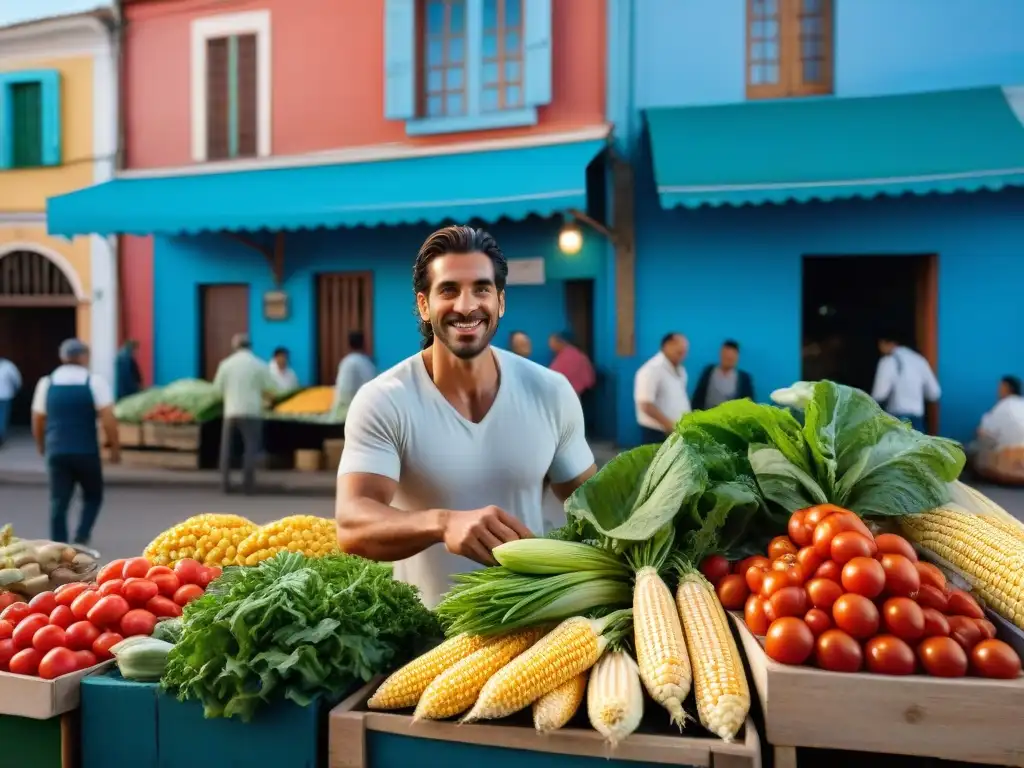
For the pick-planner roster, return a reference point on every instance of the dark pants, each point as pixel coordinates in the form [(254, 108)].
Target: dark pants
[(917, 422), (66, 471), (250, 430), (5, 419), (649, 436)]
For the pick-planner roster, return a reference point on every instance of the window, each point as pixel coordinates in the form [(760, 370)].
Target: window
[(789, 48), (462, 65), (30, 119), (231, 86)]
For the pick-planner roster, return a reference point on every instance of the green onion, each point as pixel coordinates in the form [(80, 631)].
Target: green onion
[(545, 557)]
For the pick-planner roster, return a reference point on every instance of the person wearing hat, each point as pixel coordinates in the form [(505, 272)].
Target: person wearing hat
[(64, 411)]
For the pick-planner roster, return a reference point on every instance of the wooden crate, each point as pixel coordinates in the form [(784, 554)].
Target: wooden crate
[(172, 437), (354, 734), (153, 459), (969, 719)]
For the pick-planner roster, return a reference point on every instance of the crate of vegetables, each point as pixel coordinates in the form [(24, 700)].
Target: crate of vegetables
[(838, 619)]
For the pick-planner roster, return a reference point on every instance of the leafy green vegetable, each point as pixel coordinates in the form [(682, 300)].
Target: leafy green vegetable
[(294, 627)]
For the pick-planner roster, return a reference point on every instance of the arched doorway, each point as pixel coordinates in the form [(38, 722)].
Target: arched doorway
[(39, 299)]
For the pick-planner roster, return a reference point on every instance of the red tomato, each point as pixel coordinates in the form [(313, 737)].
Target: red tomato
[(829, 570), (836, 651), (814, 515), (772, 583), (86, 659), (789, 641), (81, 635), (794, 575), (84, 603), (25, 662), (935, 624), (988, 629), (136, 567), (102, 645), (818, 621), (7, 651), (715, 568), (856, 615), (167, 583), (57, 662), (8, 599), (781, 545), (901, 576), (138, 592), (163, 607), (753, 614), (903, 618), (67, 593), (49, 637), (929, 596), (833, 525), (215, 572), (190, 592), (742, 565), (27, 628), (800, 532), (809, 560), (888, 655), (205, 577), (6, 629), (110, 571), (942, 657), (850, 544), (62, 617), (823, 593), (43, 603), (965, 631), (789, 601), (732, 592), (891, 543), (15, 612), (864, 576), (156, 570), (754, 576), (108, 611), (112, 587), (994, 658), (930, 574), (782, 562), (138, 622), (962, 604), (188, 571)]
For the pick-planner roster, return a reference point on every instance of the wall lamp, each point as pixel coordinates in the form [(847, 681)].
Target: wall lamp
[(570, 238)]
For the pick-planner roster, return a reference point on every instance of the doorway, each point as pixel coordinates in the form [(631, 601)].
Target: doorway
[(344, 304), (849, 301), (225, 312), (579, 311)]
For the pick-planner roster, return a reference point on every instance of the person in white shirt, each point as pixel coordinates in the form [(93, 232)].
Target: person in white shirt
[(355, 369), (284, 377), (904, 381), (659, 389), (446, 454), (1003, 426), (10, 384)]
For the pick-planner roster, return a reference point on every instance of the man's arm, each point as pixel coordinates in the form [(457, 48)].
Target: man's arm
[(645, 391), (932, 390), (16, 377), (39, 414), (103, 399), (885, 379), (573, 462)]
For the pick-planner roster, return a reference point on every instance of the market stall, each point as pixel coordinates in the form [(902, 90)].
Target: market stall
[(301, 427)]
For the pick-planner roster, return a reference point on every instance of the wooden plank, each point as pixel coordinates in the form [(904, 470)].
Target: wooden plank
[(969, 719), (625, 258), (154, 459), (129, 435), (176, 437)]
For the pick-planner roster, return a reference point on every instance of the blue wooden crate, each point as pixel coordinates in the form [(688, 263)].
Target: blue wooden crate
[(363, 739)]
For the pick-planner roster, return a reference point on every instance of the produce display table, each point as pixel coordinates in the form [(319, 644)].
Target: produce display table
[(970, 719), (29, 743), (363, 739), (171, 446), (287, 435)]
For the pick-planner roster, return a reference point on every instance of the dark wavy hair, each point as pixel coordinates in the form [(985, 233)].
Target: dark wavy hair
[(454, 240)]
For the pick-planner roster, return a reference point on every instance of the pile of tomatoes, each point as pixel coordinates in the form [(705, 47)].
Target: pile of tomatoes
[(74, 627), (833, 594)]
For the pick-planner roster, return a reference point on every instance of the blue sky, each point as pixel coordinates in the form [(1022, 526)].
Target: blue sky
[(20, 11)]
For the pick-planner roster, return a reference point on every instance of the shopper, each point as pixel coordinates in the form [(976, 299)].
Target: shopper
[(659, 389), (10, 384)]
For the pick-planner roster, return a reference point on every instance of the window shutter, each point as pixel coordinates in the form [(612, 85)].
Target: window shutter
[(537, 37), (27, 134), (400, 59), (247, 96), (51, 133), (217, 102)]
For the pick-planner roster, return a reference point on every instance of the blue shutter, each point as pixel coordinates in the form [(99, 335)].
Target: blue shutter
[(400, 59), (6, 123), (537, 37), (50, 81)]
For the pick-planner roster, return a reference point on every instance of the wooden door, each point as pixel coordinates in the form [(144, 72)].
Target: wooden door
[(579, 308), (30, 337), (927, 325), (225, 312), (344, 304)]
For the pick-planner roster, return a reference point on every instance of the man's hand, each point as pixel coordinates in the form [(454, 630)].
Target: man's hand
[(114, 457), (476, 532)]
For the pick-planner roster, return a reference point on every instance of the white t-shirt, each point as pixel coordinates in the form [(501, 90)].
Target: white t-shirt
[(663, 385), (1005, 422), (69, 375), (10, 379), (400, 426), (285, 379), (903, 381)]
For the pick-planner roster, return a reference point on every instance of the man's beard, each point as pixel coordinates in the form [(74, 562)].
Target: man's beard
[(446, 332)]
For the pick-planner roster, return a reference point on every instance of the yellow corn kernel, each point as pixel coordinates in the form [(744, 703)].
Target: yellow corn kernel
[(719, 680), (405, 686), (615, 700), (986, 506), (454, 690), (194, 538), (660, 646), (292, 534), (570, 649), (557, 707)]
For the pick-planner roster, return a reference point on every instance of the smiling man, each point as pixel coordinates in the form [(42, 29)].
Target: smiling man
[(446, 454)]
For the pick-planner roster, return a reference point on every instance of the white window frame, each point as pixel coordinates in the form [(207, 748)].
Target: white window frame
[(204, 29)]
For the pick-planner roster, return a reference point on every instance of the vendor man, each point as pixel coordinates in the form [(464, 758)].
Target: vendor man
[(64, 411), (446, 454)]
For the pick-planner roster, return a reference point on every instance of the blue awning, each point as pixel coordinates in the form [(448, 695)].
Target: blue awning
[(505, 183), (830, 148)]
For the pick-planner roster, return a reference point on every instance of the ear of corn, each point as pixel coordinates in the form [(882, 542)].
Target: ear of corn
[(405, 686), (307, 534), (615, 701), (719, 680), (975, 501), (543, 557), (454, 690), (570, 649), (660, 646), (211, 539), (557, 707), (989, 557)]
